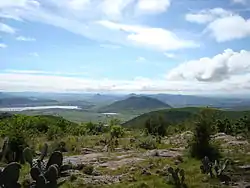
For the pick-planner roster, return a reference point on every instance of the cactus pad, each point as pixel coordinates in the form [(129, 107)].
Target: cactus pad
[(55, 158)]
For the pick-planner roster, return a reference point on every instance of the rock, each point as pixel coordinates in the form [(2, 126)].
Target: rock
[(118, 149), (180, 139), (177, 162), (132, 169), (245, 167), (113, 165), (87, 151), (163, 153), (145, 172), (105, 149)]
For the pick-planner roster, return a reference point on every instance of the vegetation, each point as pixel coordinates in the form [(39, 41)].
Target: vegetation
[(201, 145), (50, 151)]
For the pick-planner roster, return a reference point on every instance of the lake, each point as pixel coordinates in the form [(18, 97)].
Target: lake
[(19, 109)]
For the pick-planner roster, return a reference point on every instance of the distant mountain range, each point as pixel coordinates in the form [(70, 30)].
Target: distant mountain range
[(135, 103), (95, 101)]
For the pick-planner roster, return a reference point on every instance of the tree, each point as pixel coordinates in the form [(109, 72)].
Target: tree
[(116, 131), (156, 127), (201, 146)]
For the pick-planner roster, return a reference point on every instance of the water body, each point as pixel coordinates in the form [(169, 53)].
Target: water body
[(19, 109), (110, 113)]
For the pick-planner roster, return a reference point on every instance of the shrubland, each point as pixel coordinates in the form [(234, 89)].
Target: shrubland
[(111, 155)]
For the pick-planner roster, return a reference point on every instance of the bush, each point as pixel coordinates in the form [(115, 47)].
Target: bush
[(156, 126), (147, 143), (201, 146), (116, 131), (88, 170)]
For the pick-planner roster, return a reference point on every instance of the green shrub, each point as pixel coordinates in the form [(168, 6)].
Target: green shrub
[(201, 146), (156, 126), (147, 143), (116, 131), (88, 170)]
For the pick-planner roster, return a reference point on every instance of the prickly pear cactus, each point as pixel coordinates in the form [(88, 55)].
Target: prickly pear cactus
[(55, 158), (41, 182), (44, 152), (178, 177), (52, 174), (28, 156), (35, 173), (10, 175)]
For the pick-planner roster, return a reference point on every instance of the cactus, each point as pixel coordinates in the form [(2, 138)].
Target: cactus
[(51, 174), (46, 179), (218, 166), (207, 167), (28, 156), (47, 175), (178, 177), (10, 175), (55, 158), (35, 173)]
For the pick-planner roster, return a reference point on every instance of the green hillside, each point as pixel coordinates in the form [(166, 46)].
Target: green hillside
[(134, 103), (178, 115)]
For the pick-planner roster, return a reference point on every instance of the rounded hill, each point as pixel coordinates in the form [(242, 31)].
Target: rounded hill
[(135, 103)]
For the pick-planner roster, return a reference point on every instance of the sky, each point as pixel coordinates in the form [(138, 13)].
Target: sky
[(124, 46)]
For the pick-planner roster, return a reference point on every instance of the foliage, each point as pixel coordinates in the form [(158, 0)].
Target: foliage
[(116, 131), (218, 167), (177, 177), (147, 143), (156, 126), (95, 128), (201, 146), (88, 170)]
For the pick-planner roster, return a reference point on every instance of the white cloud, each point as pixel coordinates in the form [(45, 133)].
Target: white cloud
[(170, 55), (110, 46), (236, 27), (27, 39), (114, 9), (6, 28), (53, 83), (79, 16), (2, 45), (229, 65), (156, 38), (140, 59), (223, 73), (206, 16), (240, 1), (218, 21), (34, 54), (41, 72), (153, 6)]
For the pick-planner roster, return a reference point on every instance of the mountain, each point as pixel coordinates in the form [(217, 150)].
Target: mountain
[(179, 101), (23, 101), (135, 103), (180, 115)]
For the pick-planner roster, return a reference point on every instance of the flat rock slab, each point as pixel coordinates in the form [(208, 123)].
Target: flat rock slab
[(113, 165), (99, 180), (245, 167), (163, 153), (79, 159)]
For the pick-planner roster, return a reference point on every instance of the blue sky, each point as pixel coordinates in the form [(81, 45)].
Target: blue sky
[(153, 46)]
